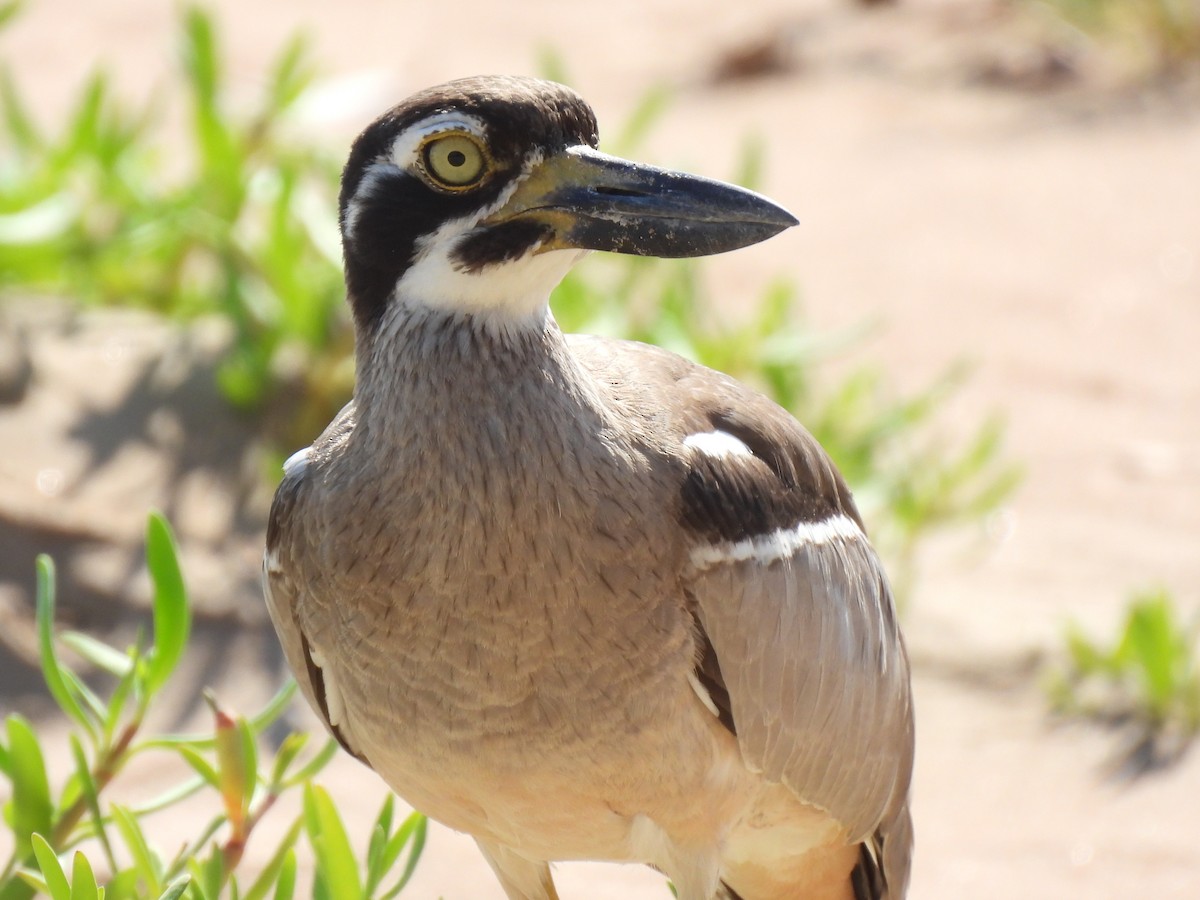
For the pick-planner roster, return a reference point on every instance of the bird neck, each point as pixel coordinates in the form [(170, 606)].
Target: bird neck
[(463, 434), (439, 371)]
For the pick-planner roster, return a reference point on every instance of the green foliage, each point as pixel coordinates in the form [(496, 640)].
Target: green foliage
[(1149, 679), (1166, 33), (47, 825), (242, 224), (239, 234)]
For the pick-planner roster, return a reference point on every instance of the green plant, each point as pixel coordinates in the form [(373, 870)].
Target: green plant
[(238, 234), (1165, 33), (239, 223), (1148, 680), (117, 860)]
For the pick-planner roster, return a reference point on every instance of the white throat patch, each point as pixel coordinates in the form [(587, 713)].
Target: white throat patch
[(517, 290)]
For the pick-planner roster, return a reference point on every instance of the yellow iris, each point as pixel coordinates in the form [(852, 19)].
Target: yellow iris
[(455, 160)]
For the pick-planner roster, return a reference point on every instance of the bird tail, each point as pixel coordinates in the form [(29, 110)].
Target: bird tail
[(884, 861), (867, 877)]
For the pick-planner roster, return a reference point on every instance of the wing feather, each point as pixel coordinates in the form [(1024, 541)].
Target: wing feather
[(817, 680), (816, 674), (797, 639), (285, 595)]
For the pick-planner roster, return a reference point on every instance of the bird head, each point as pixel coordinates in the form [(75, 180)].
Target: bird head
[(477, 196)]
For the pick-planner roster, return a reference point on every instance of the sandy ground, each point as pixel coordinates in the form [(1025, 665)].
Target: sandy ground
[(1049, 236)]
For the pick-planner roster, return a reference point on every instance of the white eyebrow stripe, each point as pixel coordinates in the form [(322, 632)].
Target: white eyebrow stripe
[(377, 172), (404, 149), (717, 444), (781, 544), (402, 155)]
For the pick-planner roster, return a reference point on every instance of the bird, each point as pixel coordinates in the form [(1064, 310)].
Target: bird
[(577, 597)]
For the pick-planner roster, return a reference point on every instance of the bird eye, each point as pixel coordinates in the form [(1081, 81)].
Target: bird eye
[(455, 160)]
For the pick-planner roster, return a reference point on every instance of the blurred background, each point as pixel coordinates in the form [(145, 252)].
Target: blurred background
[(989, 314)]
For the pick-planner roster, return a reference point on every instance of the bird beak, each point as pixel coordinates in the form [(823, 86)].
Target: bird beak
[(593, 201)]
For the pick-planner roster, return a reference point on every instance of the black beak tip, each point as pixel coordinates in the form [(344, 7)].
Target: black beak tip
[(766, 221), (770, 213)]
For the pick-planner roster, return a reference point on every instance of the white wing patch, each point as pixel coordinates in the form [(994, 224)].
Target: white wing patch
[(335, 703), (780, 544), (296, 463), (717, 444), (293, 467), (703, 694)]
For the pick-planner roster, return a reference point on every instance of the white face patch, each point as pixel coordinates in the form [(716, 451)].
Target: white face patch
[(781, 544), (514, 293), (507, 294), (717, 444), (510, 293), (366, 186)]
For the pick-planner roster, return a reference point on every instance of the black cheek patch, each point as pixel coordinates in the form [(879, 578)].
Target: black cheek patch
[(500, 243), (392, 214)]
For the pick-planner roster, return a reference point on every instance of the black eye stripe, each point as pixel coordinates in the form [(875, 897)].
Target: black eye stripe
[(392, 215), (383, 220)]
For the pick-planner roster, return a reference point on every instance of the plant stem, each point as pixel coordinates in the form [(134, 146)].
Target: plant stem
[(232, 852), (107, 768)]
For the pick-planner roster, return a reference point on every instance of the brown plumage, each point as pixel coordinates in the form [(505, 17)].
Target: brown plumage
[(578, 597)]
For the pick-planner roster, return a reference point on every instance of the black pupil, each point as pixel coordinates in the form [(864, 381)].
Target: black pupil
[(456, 158)]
